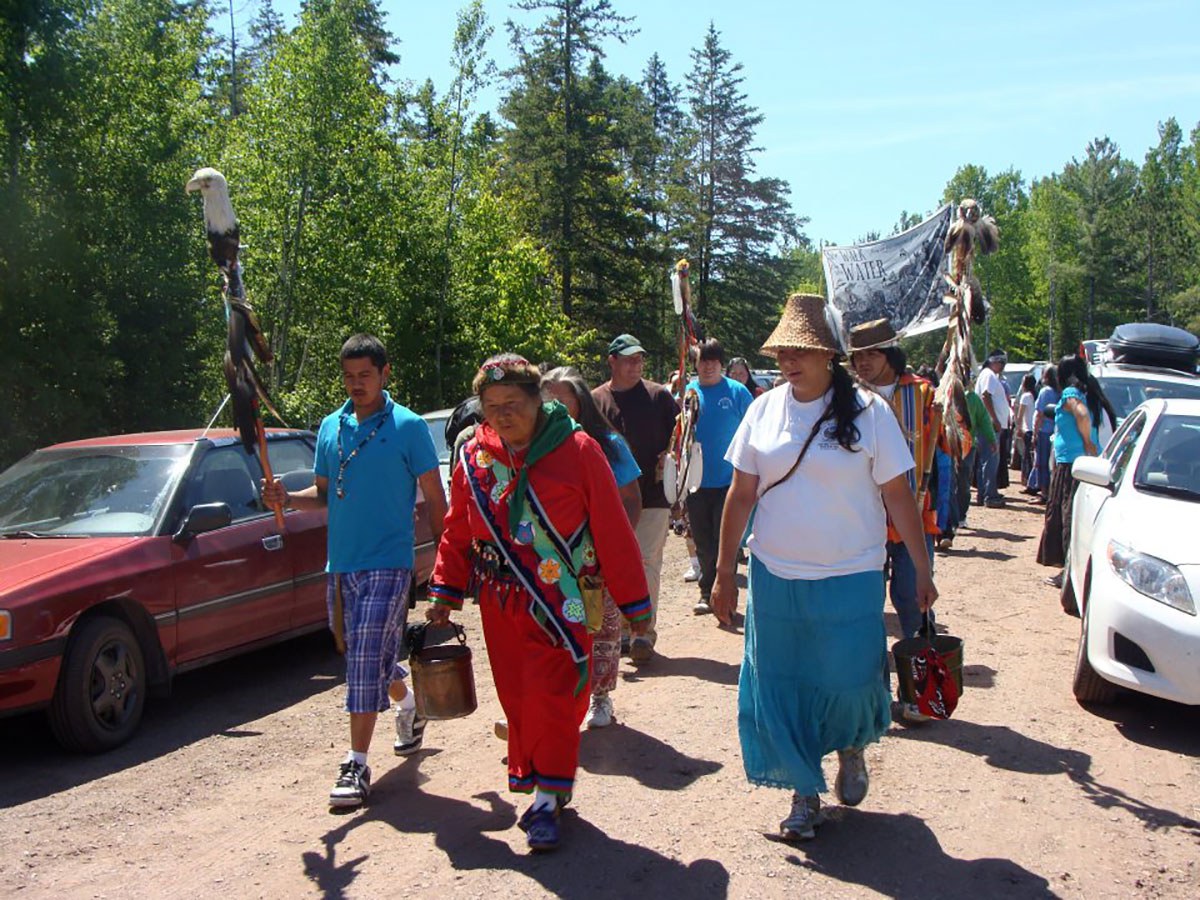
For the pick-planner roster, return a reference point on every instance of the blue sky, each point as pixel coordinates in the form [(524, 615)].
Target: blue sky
[(870, 107)]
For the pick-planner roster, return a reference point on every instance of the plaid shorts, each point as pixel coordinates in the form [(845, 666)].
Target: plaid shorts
[(374, 612)]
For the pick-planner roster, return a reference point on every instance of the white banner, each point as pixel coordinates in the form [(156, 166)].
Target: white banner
[(899, 278)]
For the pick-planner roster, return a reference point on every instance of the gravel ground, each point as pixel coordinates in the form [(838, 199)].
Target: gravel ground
[(1022, 794)]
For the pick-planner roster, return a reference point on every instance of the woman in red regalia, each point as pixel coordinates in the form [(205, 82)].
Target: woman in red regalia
[(535, 512)]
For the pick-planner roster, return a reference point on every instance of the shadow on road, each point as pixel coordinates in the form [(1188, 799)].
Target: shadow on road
[(906, 860), (1155, 723), (1006, 749), (621, 750), (214, 700), (995, 535), (684, 667), (975, 553), (589, 864)]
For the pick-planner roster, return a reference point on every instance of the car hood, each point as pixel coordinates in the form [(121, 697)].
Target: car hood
[(23, 560), (1160, 526)]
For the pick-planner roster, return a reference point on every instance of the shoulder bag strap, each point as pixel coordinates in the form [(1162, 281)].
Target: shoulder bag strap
[(803, 450)]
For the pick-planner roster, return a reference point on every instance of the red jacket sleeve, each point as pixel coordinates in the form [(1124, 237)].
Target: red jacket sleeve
[(616, 544), (453, 565)]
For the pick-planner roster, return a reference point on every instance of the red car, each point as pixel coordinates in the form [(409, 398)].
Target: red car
[(127, 559)]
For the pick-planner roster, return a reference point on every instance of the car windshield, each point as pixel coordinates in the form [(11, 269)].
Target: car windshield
[(437, 431), (1126, 392), (1170, 464), (89, 491)]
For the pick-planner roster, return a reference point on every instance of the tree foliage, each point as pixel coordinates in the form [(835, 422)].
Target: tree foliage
[(367, 203)]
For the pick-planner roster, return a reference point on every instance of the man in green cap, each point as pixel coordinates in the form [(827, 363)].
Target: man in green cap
[(644, 413)]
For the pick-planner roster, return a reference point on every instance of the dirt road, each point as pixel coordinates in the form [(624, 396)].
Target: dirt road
[(1022, 794)]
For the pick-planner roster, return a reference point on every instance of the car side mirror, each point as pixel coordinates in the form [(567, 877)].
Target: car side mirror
[(1093, 470), (201, 518)]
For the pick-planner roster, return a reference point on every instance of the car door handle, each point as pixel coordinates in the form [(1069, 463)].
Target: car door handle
[(273, 542)]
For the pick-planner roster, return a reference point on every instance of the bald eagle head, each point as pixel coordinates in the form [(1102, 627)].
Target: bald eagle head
[(219, 219), (218, 211)]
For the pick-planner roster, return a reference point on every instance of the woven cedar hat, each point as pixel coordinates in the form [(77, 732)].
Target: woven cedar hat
[(805, 325), (874, 335)]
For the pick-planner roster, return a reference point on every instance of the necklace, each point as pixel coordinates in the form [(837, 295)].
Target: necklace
[(344, 460)]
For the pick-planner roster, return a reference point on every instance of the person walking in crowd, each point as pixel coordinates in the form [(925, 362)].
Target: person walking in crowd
[(825, 464), (375, 452), (739, 370), (644, 414), (1043, 425), (535, 515), (990, 388), (567, 386), (723, 403), (881, 364), (1026, 402), (983, 437), (1076, 424)]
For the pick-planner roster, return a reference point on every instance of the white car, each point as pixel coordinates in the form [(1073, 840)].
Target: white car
[(436, 422), (1133, 562), (1127, 385)]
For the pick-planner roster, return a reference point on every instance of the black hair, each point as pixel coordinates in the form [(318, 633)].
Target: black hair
[(710, 348), (741, 361), (1028, 384), (464, 416), (594, 423), (1050, 377), (845, 407), (896, 358), (365, 346), (929, 374), (1073, 372)]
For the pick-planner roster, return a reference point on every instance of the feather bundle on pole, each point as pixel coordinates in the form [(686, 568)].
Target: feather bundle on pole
[(970, 231), (245, 340)]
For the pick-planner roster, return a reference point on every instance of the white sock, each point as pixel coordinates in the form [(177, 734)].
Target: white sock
[(696, 563), (355, 756), (407, 702), (544, 800)]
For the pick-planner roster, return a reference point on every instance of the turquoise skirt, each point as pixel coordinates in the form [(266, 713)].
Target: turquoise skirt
[(814, 677)]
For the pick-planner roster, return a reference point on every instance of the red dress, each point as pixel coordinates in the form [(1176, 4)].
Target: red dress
[(539, 654)]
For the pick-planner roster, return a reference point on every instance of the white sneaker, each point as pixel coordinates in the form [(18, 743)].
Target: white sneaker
[(801, 823), (693, 572), (852, 779), (352, 787), (600, 712), (702, 607), (910, 712)]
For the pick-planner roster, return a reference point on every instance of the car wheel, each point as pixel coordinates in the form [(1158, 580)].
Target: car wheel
[(102, 687), (1088, 686)]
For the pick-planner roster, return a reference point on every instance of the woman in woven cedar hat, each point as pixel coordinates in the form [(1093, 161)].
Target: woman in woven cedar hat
[(824, 463), (534, 514)]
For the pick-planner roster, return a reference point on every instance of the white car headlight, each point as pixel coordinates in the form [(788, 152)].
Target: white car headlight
[(1149, 575)]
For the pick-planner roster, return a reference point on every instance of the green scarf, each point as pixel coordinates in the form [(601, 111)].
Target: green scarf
[(557, 426)]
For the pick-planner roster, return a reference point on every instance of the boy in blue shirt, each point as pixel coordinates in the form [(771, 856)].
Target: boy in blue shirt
[(371, 455), (723, 403)]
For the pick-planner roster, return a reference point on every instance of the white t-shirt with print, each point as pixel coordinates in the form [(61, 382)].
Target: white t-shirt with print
[(828, 518), (989, 382)]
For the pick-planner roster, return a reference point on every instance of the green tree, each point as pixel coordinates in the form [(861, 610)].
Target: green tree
[(1103, 185), (736, 223), (553, 120)]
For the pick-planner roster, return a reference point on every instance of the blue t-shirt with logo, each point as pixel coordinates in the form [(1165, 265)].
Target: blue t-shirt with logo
[(371, 526), (722, 406)]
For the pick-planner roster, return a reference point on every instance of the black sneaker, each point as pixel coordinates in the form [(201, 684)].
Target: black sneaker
[(352, 786), (410, 731)]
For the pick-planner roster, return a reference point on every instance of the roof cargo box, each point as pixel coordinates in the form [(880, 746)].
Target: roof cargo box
[(1150, 344)]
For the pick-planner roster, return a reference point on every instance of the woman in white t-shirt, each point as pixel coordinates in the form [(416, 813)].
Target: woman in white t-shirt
[(1025, 403), (814, 675)]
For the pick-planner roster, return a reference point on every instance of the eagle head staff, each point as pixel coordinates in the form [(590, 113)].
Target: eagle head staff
[(218, 210)]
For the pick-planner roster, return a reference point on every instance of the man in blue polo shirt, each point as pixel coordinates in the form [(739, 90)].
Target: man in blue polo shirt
[(723, 403), (371, 455)]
